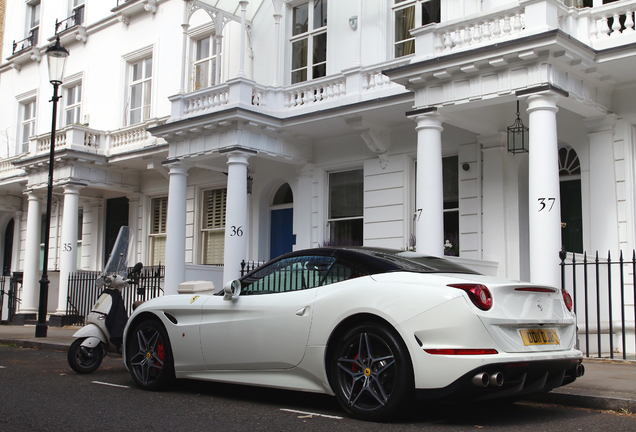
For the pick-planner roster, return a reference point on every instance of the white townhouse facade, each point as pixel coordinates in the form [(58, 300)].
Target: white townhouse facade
[(227, 130)]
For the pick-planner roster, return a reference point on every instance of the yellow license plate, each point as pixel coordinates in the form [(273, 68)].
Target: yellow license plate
[(539, 337)]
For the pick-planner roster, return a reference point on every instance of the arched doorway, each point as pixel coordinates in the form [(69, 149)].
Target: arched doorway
[(571, 207), (282, 238)]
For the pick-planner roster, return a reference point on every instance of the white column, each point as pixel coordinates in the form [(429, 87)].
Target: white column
[(302, 207), (278, 4), (241, 72), (544, 200), (235, 215), (176, 227), (68, 248), (429, 199), (603, 214), (184, 46), (31, 278)]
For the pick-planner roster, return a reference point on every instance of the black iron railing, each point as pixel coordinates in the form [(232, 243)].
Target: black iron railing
[(83, 293), (74, 20), (27, 42), (248, 266), (604, 294), (8, 295)]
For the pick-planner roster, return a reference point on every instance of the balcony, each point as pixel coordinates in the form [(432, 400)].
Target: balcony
[(9, 170), (600, 27), (104, 143), (351, 86), (26, 43), (74, 20)]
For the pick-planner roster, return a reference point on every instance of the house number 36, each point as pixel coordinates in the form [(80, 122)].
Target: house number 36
[(236, 231)]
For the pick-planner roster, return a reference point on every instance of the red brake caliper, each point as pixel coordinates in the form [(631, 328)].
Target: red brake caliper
[(160, 350), (355, 367)]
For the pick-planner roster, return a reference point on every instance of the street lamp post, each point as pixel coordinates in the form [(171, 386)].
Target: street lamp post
[(56, 57)]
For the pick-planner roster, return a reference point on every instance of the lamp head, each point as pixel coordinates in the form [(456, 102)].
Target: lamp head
[(56, 55)]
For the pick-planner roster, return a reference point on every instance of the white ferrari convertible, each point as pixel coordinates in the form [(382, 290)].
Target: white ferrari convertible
[(374, 327)]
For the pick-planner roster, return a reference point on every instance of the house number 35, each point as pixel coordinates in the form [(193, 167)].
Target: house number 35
[(546, 203), (67, 247), (236, 231)]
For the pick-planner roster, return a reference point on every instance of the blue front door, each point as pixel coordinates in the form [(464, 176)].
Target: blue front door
[(282, 237)]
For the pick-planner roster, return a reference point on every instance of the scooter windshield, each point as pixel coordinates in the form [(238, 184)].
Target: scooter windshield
[(118, 261)]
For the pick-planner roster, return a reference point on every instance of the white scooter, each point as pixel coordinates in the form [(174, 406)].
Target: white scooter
[(105, 323)]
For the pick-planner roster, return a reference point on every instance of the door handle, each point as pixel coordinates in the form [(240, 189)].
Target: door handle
[(301, 311)]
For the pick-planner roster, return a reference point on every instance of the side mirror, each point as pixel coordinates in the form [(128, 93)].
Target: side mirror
[(232, 289)]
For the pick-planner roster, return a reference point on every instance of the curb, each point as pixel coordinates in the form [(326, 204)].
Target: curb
[(22, 343), (584, 401)]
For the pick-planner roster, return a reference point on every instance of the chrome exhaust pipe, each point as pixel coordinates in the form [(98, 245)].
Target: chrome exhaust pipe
[(481, 379), (496, 380), (580, 370)]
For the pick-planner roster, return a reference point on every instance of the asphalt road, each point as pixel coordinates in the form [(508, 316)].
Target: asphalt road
[(39, 392)]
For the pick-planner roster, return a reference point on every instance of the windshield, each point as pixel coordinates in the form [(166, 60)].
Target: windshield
[(118, 260)]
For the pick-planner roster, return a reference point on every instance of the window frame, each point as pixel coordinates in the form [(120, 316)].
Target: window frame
[(206, 231), (144, 83), (76, 106), (80, 7), (34, 8), (31, 121), (211, 61), (332, 221), (418, 21), (162, 228), (310, 35)]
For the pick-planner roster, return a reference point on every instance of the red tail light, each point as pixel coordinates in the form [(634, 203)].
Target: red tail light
[(479, 294), (567, 299)]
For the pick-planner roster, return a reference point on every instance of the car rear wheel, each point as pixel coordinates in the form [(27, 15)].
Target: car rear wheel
[(372, 373), (149, 355)]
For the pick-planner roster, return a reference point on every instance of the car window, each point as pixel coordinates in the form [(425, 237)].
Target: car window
[(289, 274), (339, 272)]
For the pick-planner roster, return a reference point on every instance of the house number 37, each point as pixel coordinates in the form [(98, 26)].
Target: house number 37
[(546, 203)]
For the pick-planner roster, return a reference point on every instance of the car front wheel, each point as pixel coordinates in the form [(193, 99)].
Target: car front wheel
[(372, 373), (149, 355)]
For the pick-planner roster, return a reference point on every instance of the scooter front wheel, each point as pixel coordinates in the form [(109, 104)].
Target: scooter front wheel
[(84, 360)]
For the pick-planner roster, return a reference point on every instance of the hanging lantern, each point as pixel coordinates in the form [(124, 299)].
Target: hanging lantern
[(518, 136)]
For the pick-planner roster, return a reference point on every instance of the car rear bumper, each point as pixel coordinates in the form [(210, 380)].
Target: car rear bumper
[(514, 379)]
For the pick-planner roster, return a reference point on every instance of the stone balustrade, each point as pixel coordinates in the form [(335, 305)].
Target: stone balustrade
[(85, 139), (7, 169), (612, 21)]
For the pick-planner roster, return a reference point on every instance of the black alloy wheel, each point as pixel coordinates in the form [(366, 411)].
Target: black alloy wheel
[(84, 360), (149, 355), (372, 373)]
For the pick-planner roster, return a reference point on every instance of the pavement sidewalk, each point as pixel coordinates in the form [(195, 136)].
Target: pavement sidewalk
[(607, 384)]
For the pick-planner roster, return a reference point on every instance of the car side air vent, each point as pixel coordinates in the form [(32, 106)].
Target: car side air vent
[(172, 319)]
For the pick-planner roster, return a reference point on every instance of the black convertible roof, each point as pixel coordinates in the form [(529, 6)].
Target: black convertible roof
[(382, 260)]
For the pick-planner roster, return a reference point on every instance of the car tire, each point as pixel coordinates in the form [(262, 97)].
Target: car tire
[(371, 373), (149, 355), (84, 360)]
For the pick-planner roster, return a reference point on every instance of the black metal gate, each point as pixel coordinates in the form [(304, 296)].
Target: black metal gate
[(604, 296), (8, 295), (83, 293)]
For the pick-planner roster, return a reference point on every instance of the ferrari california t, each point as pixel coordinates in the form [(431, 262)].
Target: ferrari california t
[(374, 327)]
